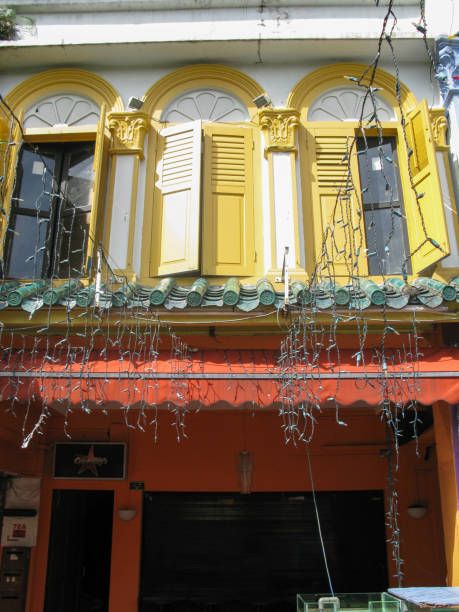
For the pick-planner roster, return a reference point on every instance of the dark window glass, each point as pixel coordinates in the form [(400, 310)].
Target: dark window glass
[(382, 206), (48, 228)]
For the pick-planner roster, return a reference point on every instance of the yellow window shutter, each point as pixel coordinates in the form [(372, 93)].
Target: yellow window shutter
[(228, 213), (175, 238), (10, 137), (339, 231), (100, 181), (4, 138), (427, 208)]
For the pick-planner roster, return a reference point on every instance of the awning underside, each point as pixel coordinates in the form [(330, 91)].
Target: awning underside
[(231, 378)]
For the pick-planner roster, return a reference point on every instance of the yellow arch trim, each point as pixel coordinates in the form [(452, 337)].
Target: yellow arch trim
[(201, 75), (64, 79), (327, 77)]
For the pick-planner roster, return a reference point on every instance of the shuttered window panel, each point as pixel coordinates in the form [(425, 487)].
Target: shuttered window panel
[(429, 206), (176, 214), (326, 172), (228, 215)]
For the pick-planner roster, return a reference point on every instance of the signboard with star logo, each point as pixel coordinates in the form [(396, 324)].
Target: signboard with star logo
[(93, 460)]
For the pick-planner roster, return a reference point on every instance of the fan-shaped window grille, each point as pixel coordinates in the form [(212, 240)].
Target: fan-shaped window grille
[(345, 104), (62, 110), (205, 104)]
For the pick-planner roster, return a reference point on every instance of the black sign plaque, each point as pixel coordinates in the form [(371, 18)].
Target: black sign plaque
[(91, 460)]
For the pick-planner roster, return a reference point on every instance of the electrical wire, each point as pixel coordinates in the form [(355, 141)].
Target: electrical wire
[(319, 528)]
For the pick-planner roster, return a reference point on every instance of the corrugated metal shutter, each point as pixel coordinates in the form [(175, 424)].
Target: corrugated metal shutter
[(238, 552)]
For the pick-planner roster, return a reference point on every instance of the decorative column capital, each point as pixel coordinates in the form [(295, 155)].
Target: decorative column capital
[(279, 126), (446, 65), (439, 126), (128, 131)]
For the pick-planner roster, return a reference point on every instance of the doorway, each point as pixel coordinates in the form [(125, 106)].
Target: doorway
[(227, 552), (80, 542)]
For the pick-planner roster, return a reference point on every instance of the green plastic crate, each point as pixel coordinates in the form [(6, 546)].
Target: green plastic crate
[(350, 602)]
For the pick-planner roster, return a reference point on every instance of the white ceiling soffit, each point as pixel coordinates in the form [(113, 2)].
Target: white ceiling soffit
[(168, 56), (70, 6)]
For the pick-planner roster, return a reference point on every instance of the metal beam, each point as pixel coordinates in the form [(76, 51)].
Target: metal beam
[(226, 375)]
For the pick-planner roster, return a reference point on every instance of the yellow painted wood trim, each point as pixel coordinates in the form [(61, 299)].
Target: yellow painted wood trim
[(64, 79), (133, 209), (201, 75), (100, 178), (333, 75), (259, 239), (306, 199), (296, 223), (68, 134), (147, 261), (109, 204), (441, 271), (448, 489), (197, 321)]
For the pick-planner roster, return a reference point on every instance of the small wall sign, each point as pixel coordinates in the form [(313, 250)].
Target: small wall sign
[(93, 460), (19, 531)]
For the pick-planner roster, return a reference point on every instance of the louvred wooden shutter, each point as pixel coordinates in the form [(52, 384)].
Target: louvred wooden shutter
[(4, 138), (228, 215), (339, 232), (177, 200), (429, 207)]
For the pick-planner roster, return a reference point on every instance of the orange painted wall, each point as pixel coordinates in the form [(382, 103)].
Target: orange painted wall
[(207, 460), (447, 470)]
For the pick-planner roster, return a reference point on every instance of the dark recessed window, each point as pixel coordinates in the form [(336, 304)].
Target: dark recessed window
[(382, 201), (48, 227)]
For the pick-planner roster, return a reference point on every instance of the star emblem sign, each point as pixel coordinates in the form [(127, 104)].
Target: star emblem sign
[(89, 462)]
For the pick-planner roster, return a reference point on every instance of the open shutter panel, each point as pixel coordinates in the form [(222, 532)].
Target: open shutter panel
[(424, 171), (339, 232), (177, 195), (228, 218), (4, 138), (9, 133), (99, 186)]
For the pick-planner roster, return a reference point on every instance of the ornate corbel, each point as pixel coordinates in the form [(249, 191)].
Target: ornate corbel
[(439, 125), (447, 60), (279, 126), (128, 131)]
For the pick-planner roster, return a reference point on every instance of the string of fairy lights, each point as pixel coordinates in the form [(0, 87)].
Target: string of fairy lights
[(128, 333), (308, 340)]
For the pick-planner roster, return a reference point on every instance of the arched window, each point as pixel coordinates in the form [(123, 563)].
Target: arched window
[(56, 187), (371, 185), (203, 206)]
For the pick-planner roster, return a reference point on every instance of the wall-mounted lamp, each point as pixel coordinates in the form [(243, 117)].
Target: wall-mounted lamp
[(245, 472), (135, 103), (126, 514), (262, 101), (417, 511)]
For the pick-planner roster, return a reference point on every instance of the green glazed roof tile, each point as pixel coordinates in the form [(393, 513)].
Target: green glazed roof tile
[(360, 294)]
